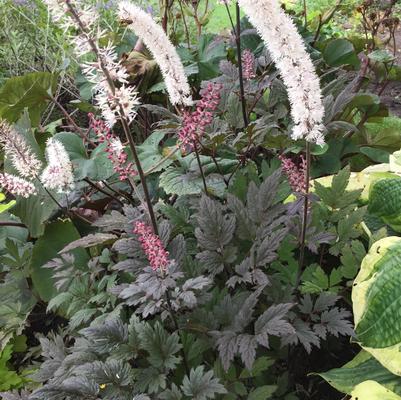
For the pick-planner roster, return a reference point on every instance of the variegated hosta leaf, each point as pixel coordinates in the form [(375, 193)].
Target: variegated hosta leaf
[(376, 298), (371, 390), (363, 367)]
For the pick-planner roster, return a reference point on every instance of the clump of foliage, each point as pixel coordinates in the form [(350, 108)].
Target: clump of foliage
[(172, 224)]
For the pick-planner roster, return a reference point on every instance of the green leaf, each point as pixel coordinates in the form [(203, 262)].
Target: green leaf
[(376, 298), (385, 196), (31, 91), (56, 236), (363, 367), (370, 390), (34, 211), (383, 56), (160, 345), (96, 167), (151, 154), (340, 52), (262, 392), (201, 385), (376, 155)]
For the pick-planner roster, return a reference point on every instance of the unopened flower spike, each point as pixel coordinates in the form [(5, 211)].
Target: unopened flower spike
[(195, 122), (287, 50), (162, 50), (152, 246)]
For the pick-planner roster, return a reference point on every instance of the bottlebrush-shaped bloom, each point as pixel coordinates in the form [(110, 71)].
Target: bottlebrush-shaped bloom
[(58, 174), (296, 175), (162, 50), (288, 51), (194, 123), (114, 148), (152, 246), (16, 185), (248, 64), (18, 151)]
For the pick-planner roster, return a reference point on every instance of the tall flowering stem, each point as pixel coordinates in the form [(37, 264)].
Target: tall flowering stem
[(288, 51), (158, 259), (239, 56), (301, 260), (120, 107)]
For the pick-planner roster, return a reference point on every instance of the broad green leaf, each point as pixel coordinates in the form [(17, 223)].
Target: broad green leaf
[(96, 167), (363, 367), (151, 154), (384, 202), (34, 212), (262, 392), (376, 155), (56, 236), (340, 52), (31, 91), (383, 56), (376, 299), (371, 390)]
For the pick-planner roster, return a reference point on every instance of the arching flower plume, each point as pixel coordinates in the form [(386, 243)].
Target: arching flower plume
[(288, 51), (162, 50), (58, 173), (18, 151)]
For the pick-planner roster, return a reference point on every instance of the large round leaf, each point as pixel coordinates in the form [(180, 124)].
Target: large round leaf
[(340, 52), (31, 91), (376, 298)]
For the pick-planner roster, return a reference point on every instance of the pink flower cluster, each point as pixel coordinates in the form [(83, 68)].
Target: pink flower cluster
[(115, 148), (16, 185), (194, 122), (248, 64), (296, 174), (152, 246)]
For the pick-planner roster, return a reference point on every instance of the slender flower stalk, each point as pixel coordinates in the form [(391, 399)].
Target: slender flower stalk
[(152, 246), (17, 186), (118, 106), (194, 123), (295, 65), (58, 174), (18, 151), (163, 51)]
